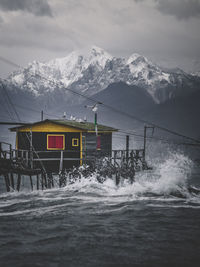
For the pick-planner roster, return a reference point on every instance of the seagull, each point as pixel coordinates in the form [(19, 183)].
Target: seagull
[(94, 107)]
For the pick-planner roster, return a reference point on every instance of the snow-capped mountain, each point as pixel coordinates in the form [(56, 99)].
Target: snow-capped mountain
[(92, 71), (197, 73)]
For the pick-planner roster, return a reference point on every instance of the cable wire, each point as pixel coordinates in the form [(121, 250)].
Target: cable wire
[(110, 107)]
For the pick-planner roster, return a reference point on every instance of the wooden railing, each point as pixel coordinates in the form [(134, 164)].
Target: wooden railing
[(29, 157)]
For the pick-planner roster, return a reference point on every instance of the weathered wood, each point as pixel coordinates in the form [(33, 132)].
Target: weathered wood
[(12, 181), (45, 180), (7, 182), (56, 159), (26, 158), (18, 181), (31, 182), (42, 181), (37, 182), (62, 179), (31, 148), (0, 149), (127, 148), (61, 161), (50, 182), (10, 148), (117, 178)]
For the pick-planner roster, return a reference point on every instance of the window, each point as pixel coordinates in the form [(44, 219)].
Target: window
[(74, 141), (55, 142)]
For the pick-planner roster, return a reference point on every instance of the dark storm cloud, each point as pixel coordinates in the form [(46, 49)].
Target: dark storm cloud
[(37, 7), (158, 29), (181, 9)]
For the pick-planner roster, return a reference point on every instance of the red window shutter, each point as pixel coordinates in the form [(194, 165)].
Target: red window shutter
[(59, 141), (51, 142), (55, 142)]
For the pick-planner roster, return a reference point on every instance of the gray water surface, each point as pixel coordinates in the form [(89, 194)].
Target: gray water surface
[(154, 222)]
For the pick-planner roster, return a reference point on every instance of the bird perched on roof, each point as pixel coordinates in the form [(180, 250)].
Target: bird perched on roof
[(94, 107)]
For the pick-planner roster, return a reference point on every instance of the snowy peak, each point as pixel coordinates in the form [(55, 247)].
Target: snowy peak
[(99, 56), (136, 59), (72, 66), (147, 74), (83, 58), (91, 70)]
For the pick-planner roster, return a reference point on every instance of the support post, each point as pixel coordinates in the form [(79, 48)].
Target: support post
[(10, 146), (145, 138), (31, 181), (31, 149), (50, 180), (127, 148), (12, 181), (61, 161), (7, 182), (42, 115), (45, 180), (26, 154), (117, 178), (0, 149), (37, 182), (18, 181), (42, 181), (115, 156)]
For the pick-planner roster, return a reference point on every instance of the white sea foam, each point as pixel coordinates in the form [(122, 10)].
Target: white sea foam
[(165, 185), (169, 178)]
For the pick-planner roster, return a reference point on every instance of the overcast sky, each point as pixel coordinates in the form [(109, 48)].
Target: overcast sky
[(166, 31)]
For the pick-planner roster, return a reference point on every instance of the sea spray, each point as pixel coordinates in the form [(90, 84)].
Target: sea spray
[(173, 174), (169, 177)]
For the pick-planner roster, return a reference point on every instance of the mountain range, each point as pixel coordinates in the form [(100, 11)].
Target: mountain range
[(94, 70), (134, 85)]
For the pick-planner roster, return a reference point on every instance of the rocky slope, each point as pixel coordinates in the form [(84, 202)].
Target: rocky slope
[(92, 71)]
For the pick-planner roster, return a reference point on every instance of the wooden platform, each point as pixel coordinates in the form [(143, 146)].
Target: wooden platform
[(121, 163)]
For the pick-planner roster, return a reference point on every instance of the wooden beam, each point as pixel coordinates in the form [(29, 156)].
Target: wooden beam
[(37, 181), (58, 159), (12, 181), (31, 181), (7, 182), (18, 182)]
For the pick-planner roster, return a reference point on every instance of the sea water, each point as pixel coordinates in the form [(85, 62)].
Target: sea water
[(154, 222)]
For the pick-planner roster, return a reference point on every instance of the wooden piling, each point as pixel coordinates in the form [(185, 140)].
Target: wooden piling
[(50, 182), (127, 148), (12, 181), (7, 182), (45, 180), (60, 179), (18, 181), (0, 150), (42, 181), (61, 162), (37, 182), (31, 182), (117, 178)]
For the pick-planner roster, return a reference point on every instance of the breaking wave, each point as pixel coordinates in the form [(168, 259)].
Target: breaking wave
[(168, 184), (169, 178)]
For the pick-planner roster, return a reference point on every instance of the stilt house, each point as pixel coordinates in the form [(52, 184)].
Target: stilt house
[(63, 142)]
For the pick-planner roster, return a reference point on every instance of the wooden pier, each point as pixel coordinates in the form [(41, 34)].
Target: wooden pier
[(15, 163)]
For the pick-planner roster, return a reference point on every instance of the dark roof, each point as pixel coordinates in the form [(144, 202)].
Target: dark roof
[(87, 126)]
